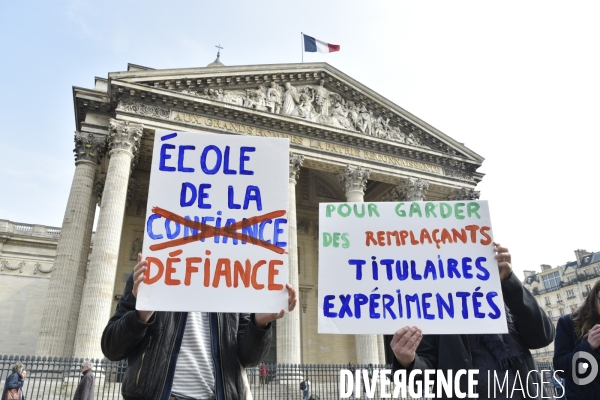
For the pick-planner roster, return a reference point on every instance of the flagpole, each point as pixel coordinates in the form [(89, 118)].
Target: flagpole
[(302, 46)]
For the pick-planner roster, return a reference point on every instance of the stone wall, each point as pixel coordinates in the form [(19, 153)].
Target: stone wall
[(27, 254)]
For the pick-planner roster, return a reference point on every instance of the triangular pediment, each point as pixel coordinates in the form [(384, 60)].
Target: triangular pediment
[(313, 92)]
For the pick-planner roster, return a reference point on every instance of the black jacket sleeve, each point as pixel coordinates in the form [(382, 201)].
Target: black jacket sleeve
[(533, 325), (253, 342), (124, 331)]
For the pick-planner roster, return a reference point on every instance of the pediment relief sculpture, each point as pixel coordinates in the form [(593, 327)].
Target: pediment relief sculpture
[(314, 103)]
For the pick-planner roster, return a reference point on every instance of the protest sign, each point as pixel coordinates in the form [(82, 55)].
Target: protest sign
[(216, 226), (383, 266)]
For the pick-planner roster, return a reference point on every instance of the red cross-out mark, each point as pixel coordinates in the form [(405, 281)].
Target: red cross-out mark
[(207, 231)]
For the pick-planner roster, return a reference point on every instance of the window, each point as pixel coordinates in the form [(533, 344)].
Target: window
[(550, 313), (588, 288), (558, 296), (547, 300), (570, 294), (562, 311), (551, 281)]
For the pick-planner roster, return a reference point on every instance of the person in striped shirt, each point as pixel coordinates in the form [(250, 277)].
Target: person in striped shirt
[(186, 355)]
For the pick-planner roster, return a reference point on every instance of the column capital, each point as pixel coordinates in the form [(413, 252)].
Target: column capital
[(89, 148), (396, 194), (296, 161), (464, 193), (354, 179), (125, 136), (414, 189)]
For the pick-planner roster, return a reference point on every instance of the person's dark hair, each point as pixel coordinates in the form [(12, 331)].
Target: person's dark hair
[(586, 316)]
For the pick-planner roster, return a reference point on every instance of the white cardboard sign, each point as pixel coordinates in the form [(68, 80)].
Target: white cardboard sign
[(383, 266), (216, 231)]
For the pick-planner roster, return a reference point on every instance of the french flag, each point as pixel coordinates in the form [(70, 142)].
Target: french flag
[(313, 45)]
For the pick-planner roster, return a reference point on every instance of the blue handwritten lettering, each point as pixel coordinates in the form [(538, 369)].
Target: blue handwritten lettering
[(244, 158), (327, 306), (180, 166), (149, 227)]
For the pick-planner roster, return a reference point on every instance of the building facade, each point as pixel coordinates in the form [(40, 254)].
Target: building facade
[(347, 144), (27, 254), (561, 290)]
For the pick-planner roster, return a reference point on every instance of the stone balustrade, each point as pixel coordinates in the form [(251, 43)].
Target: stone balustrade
[(23, 229)]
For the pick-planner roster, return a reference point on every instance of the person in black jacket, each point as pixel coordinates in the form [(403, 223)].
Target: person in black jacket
[(177, 355), (579, 333), (507, 355)]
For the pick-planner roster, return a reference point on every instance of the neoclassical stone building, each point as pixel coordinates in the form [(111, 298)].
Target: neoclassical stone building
[(348, 144)]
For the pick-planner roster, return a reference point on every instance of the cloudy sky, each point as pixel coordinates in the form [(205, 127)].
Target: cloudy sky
[(517, 82)]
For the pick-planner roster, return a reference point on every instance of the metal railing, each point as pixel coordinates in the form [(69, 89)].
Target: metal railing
[(57, 379)]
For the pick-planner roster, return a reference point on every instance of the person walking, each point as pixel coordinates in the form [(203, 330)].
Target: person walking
[(13, 387), (370, 376), (352, 369), (305, 387), (85, 389)]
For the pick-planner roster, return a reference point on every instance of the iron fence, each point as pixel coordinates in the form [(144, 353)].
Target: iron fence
[(57, 379)]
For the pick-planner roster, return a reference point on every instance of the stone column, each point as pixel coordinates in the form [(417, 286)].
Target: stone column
[(381, 349), (96, 301), (83, 264), (60, 301), (354, 181), (288, 328)]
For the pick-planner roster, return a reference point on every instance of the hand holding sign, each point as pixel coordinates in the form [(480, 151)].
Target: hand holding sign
[(504, 261), (406, 340), (404, 344), (263, 319), (138, 278)]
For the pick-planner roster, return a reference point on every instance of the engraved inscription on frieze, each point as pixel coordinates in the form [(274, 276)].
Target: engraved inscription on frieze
[(454, 170)]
